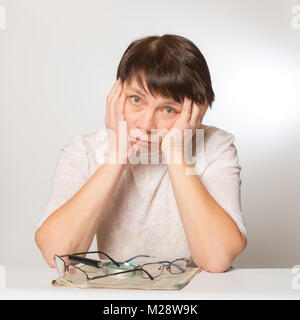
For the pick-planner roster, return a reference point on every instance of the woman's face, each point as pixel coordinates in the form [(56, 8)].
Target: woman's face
[(143, 112)]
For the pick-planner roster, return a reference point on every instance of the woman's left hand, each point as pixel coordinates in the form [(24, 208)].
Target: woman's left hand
[(190, 118)]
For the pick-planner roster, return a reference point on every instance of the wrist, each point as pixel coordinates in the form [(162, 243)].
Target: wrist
[(178, 156), (114, 159), (172, 155)]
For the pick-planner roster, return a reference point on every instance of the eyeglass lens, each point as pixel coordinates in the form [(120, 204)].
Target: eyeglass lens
[(155, 269), (60, 265), (178, 266)]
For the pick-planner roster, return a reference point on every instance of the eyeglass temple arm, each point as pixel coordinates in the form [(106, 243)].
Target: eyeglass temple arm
[(142, 255), (163, 261), (78, 253), (90, 262), (112, 274), (173, 263), (179, 267)]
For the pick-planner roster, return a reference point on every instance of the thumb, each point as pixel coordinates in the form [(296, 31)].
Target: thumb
[(134, 148)]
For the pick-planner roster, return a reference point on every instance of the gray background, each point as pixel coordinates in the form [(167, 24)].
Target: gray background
[(58, 61)]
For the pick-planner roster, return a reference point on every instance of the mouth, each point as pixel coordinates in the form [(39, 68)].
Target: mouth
[(142, 142)]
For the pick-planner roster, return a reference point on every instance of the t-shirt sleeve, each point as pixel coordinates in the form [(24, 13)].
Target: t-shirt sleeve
[(70, 174), (221, 177)]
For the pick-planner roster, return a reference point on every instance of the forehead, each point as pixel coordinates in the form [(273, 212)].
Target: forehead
[(135, 85)]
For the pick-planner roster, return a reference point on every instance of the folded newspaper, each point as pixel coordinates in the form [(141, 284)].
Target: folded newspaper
[(130, 280)]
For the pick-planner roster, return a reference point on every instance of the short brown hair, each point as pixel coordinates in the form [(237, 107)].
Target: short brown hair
[(171, 65)]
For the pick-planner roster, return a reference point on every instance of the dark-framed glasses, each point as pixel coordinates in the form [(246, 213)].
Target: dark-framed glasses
[(110, 267), (62, 268), (81, 276), (154, 268), (176, 266)]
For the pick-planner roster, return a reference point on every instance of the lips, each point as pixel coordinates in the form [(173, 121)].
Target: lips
[(139, 139), (145, 141), (142, 141)]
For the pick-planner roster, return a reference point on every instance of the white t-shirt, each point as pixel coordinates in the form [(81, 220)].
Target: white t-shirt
[(142, 217)]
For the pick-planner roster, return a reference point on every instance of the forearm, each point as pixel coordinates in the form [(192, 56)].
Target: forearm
[(214, 238), (72, 227)]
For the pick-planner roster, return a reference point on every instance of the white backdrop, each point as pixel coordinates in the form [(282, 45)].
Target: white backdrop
[(58, 61)]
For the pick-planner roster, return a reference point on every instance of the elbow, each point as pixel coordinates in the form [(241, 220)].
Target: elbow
[(50, 245), (50, 262), (38, 237), (222, 263), (216, 266)]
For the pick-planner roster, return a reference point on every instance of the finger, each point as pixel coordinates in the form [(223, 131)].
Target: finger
[(120, 107), (112, 90), (114, 99), (110, 95), (195, 115), (133, 149), (116, 95), (186, 110)]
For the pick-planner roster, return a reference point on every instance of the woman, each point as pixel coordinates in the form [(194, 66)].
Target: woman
[(136, 207)]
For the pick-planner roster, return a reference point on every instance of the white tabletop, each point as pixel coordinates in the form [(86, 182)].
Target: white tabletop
[(35, 283)]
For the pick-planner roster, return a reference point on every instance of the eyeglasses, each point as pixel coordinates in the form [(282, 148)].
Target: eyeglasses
[(147, 270), (74, 273), (175, 267), (62, 269), (154, 268), (77, 274)]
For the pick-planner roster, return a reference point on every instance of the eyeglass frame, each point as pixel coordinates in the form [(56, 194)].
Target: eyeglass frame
[(95, 263), (66, 268), (163, 261), (139, 268)]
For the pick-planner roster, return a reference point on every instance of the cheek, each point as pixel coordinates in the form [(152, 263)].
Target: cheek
[(127, 112), (166, 123), (129, 116)]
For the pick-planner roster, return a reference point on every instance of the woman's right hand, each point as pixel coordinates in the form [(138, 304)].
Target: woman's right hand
[(115, 105)]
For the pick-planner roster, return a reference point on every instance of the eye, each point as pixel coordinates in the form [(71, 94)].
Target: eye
[(134, 97), (173, 110)]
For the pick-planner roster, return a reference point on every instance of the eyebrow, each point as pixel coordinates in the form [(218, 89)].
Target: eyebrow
[(143, 95)]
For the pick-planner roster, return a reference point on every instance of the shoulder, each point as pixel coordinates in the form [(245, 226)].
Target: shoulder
[(215, 140), (216, 146), (215, 137), (92, 144)]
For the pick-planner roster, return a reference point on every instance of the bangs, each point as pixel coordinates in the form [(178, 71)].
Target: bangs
[(165, 85), (170, 67)]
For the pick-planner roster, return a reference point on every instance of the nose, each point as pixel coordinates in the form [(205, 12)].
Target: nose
[(146, 121)]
